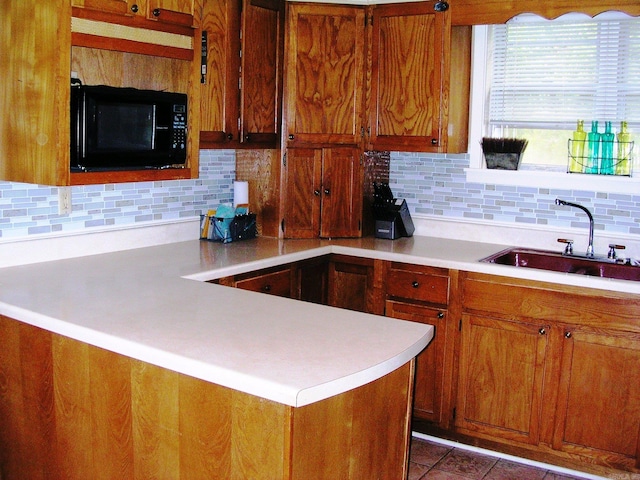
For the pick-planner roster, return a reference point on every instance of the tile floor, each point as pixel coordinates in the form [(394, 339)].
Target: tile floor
[(430, 460)]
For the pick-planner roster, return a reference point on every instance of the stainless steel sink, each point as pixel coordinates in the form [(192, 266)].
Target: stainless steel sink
[(558, 262)]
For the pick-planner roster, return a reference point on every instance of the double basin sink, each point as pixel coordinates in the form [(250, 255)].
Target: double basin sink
[(559, 262)]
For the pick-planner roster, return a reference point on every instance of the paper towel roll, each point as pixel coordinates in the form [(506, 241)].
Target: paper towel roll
[(240, 193)]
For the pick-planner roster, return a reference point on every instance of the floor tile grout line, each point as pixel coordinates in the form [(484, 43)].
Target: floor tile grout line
[(524, 461)]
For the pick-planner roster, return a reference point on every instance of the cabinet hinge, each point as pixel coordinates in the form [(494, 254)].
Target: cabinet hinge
[(460, 325), (284, 161), (368, 20), (453, 417), (282, 225), (359, 225)]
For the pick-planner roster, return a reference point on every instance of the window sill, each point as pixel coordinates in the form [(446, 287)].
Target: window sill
[(554, 180)]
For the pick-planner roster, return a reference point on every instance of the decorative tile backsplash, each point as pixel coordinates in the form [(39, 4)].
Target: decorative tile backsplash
[(27, 209), (431, 184), (436, 185)]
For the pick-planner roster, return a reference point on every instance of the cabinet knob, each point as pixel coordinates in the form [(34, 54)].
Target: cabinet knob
[(434, 141), (440, 315), (266, 288), (247, 138), (291, 136), (230, 136), (567, 334), (316, 192), (156, 12), (134, 8), (542, 331), (415, 284), (327, 191)]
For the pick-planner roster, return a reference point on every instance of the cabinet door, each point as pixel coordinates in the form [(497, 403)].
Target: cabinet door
[(219, 94), (324, 74), (407, 90), (341, 207), (261, 77), (178, 12), (303, 183), (276, 281), (428, 390), (121, 7), (502, 367), (351, 283), (598, 411)]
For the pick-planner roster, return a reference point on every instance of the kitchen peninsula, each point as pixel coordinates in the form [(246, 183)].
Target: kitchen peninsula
[(134, 364)]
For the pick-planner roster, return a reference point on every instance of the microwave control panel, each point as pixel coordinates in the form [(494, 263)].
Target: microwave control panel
[(179, 129)]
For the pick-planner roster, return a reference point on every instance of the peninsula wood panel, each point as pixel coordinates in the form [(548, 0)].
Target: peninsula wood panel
[(70, 411)]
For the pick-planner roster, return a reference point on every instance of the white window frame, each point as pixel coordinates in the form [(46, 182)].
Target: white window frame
[(477, 171)]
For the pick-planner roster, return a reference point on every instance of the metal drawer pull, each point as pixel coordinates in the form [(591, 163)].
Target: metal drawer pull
[(415, 284)]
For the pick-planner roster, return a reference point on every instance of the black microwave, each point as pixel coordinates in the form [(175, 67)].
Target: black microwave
[(116, 128)]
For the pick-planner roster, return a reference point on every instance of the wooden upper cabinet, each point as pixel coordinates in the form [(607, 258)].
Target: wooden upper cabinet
[(242, 93), (324, 74), (261, 72), (165, 14), (178, 12), (219, 97), (120, 7), (408, 79)]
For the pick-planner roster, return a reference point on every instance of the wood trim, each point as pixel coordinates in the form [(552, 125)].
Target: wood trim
[(130, 46), (121, 176), (473, 12)]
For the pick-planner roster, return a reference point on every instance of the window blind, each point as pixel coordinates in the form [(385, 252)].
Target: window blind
[(548, 74)]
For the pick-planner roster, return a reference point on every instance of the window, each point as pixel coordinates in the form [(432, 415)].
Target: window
[(534, 78)]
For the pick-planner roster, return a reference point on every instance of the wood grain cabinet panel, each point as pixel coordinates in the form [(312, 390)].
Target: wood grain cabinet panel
[(599, 395), (421, 294), (275, 281), (323, 193), (242, 90), (547, 365), (408, 74), (502, 368), (324, 74), (71, 411)]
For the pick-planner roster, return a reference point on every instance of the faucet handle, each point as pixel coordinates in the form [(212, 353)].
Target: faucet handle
[(612, 250), (568, 250)]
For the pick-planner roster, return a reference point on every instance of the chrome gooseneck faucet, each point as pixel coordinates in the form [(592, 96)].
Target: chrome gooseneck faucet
[(585, 210)]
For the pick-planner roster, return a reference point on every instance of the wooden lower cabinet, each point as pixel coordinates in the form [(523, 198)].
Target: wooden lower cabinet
[(599, 395), (69, 411), (429, 388), (551, 368), (351, 283), (502, 368)]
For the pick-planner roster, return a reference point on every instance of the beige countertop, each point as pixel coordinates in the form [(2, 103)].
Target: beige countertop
[(152, 304)]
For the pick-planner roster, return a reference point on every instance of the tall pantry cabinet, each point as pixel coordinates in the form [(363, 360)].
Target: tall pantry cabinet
[(357, 78), (323, 165)]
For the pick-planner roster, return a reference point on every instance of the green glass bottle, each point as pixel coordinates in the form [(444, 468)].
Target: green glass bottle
[(577, 161), (623, 158), (593, 149), (606, 158)]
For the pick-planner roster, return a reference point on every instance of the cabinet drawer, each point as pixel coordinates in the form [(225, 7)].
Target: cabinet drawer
[(413, 282), (274, 283)]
